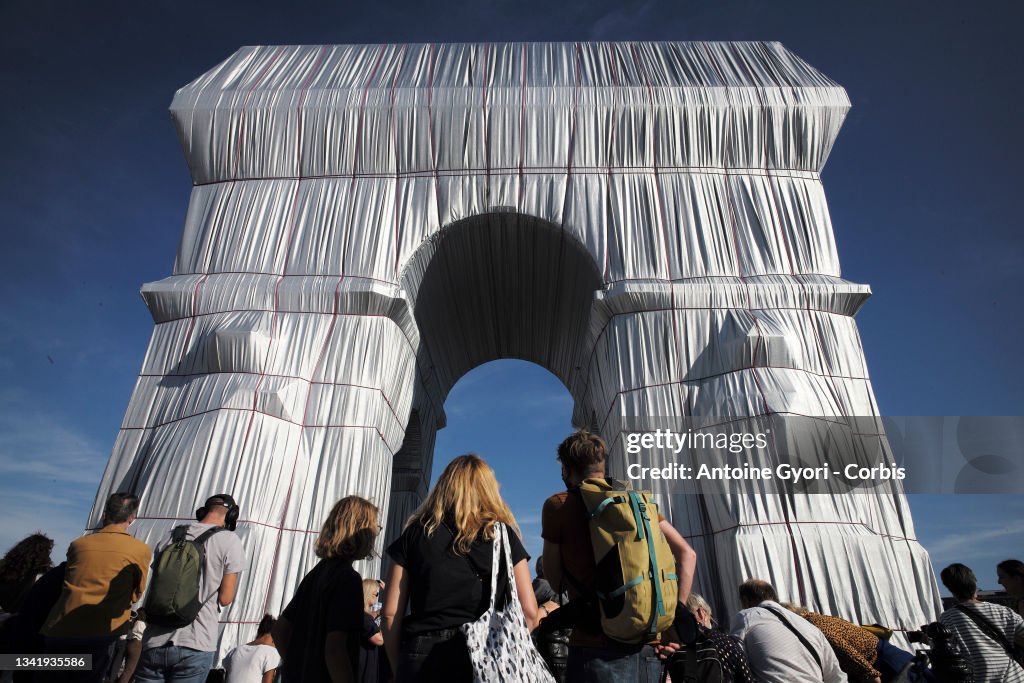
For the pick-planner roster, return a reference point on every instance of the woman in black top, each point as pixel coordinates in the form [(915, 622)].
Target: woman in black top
[(319, 631), (442, 572)]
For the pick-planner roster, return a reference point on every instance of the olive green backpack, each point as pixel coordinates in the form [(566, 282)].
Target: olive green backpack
[(174, 598), (635, 577)]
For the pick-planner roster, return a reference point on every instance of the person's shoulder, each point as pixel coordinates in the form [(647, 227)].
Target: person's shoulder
[(220, 538), (744, 616), (827, 622), (231, 539), (997, 611), (337, 571), (994, 607), (555, 502), (80, 542), (415, 531), (773, 606), (137, 546), (269, 652), (413, 536), (558, 498), (762, 613)]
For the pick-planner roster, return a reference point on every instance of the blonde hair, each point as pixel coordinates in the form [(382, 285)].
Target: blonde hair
[(466, 496), (349, 530), (369, 586)]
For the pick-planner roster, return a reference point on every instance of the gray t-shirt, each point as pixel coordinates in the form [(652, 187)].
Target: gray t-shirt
[(224, 555)]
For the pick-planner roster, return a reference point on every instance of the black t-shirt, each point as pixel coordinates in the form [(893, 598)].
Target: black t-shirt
[(368, 652), (447, 590), (330, 598), (20, 633)]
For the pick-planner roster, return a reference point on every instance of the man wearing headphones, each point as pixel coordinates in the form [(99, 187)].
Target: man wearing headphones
[(187, 653)]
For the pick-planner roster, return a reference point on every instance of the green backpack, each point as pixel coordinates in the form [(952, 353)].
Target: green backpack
[(174, 598), (635, 575)]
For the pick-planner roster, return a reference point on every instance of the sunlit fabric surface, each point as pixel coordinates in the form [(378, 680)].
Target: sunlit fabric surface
[(369, 223)]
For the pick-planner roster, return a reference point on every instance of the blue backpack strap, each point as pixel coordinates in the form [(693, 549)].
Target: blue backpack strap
[(643, 527), (605, 503)]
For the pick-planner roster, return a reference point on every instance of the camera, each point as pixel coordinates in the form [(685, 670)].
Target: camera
[(948, 664)]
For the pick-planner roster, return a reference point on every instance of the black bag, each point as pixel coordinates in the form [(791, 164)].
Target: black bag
[(553, 645), (552, 636), (696, 662)]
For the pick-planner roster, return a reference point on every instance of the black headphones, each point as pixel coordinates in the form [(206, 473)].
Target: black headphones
[(225, 500)]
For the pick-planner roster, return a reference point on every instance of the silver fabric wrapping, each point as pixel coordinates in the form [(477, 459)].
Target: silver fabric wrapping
[(368, 223)]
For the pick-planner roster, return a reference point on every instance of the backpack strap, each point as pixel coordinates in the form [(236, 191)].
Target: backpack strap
[(481, 575), (800, 636), (643, 526), (179, 533), (990, 630), (200, 542), (202, 538)]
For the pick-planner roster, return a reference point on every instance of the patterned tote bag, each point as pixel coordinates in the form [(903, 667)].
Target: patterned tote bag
[(499, 642)]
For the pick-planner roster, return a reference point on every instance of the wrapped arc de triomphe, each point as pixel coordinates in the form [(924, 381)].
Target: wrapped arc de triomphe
[(369, 223)]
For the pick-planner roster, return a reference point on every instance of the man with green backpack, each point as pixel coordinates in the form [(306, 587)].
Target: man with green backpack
[(624, 566), (195, 575)]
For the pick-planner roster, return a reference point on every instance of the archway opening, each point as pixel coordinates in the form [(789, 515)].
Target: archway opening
[(497, 287), (502, 285), (515, 430)]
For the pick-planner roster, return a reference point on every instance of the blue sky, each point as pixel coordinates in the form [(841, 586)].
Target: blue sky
[(924, 187)]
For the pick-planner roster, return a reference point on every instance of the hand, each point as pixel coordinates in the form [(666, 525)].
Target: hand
[(549, 607), (666, 650)]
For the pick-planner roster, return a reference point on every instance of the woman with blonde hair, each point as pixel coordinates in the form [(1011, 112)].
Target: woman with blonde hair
[(442, 573), (324, 619)]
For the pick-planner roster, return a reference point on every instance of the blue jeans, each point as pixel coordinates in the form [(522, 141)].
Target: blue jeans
[(612, 665), (173, 663)]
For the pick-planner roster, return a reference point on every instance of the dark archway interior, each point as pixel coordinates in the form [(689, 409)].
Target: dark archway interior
[(503, 285)]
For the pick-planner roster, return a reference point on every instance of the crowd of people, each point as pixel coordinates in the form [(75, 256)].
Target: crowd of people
[(459, 567)]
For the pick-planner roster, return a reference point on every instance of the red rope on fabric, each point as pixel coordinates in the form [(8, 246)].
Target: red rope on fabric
[(569, 170), (394, 141), (609, 151), (661, 212), (324, 346)]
